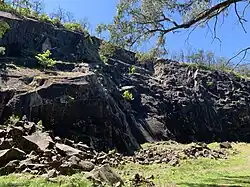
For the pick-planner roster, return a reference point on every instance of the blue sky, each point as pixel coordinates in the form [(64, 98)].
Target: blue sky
[(102, 11)]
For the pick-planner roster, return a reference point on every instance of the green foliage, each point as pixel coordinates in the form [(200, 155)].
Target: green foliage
[(44, 59), (127, 95), (149, 56), (33, 9), (139, 22), (2, 50), (24, 11), (106, 51), (207, 60), (3, 28), (75, 27), (40, 125), (13, 119), (209, 83), (28, 8), (45, 17), (243, 70), (132, 70), (56, 21)]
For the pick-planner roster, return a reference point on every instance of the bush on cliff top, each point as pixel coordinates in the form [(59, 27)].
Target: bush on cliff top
[(44, 60)]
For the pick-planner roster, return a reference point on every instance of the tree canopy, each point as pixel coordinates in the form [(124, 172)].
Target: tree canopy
[(138, 21)]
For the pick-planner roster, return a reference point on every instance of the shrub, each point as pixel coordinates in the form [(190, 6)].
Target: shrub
[(127, 95), (40, 125), (24, 11), (44, 59), (3, 28), (56, 21), (6, 7), (74, 27), (12, 120), (2, 50), (150, 56), (45, 17), (132, 70), (106, 51)]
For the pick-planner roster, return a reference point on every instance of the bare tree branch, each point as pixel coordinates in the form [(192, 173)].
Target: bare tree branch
[(241, 19), (244, 51), (213, 11)]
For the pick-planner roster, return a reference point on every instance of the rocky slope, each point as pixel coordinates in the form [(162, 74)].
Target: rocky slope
[(26, 148), (81, 98)]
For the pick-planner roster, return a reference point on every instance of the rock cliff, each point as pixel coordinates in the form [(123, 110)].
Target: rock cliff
[(81, 98)]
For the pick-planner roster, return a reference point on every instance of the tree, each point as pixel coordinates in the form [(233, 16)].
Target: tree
[(62, 15), (35, 5), (19, 3), (140, 21), (202, 57)]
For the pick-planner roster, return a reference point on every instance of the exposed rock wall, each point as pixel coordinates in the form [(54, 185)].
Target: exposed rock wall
[(83, 102), (27, 37)]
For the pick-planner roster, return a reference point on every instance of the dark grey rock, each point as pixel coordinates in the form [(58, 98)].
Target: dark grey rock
[(15, 131), (52, 173), (42, 140), (171, 100), (66, 169), (30, 127), (86, 165), (226, 145), (9, 168), (105, 174), (6, 143), (2, 133), (67, 150), (38, 141), (8, 155)]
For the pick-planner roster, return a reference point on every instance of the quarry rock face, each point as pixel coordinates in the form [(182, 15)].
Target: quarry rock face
[(27, 37), (74, 106), (82, 100)]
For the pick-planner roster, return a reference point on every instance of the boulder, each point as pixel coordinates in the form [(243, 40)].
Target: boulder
[(6, 143), (74, 160), (106, 175), (15, 131), (8, 155), (50, 174), (68, 142), (2, 133), (67, 150), (86, 165), (67, 169), (83, 147), (38, 141), (42, 140), (226, 145), (9, 168), (30, 127)]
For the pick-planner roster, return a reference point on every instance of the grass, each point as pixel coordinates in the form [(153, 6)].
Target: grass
[(27, 180), (234, 171)]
